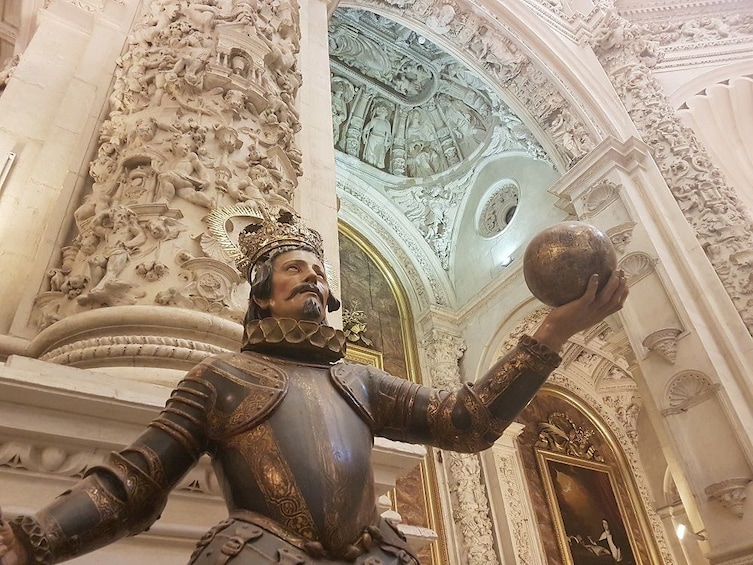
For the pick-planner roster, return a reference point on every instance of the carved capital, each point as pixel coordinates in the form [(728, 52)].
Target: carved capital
[(731, 493), (664, 343)]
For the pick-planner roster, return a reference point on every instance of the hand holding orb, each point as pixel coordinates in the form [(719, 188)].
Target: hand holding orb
[(560, 260)]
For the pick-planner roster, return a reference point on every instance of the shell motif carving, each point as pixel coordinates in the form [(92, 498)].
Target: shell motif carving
[(636, 266), (686, 390), (601, 195)]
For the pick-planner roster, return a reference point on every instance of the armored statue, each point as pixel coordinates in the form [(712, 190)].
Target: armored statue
[(290, 426)]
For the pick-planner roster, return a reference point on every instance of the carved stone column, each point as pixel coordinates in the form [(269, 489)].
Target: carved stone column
[(469, 502), (47, 112), (201, 136)]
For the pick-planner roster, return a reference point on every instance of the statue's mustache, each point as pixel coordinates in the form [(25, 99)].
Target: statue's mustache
[(306, 287)]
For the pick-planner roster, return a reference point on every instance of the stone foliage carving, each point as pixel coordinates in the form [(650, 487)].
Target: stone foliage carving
[(517, 511), (731, 493), (504, 63), (721, 222), (439, 295), (444, 350), (621, 235), (202, 116)]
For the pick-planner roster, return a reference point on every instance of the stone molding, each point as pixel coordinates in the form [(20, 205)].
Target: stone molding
[(688, 389), (664, 343), (721, 222)]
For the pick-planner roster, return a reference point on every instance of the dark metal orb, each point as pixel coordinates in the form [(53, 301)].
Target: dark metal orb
[(559, 261)]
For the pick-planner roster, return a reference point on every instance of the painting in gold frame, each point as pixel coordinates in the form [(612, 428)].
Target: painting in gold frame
[(588, 514)]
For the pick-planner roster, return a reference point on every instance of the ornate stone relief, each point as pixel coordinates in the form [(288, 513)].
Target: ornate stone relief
[(699, 32), (599, 196), (731, 493), (507, 67), (513, 488), (621, 235), (497, 209), (637, 265), (387, 218), (687, 389), (443, 351), (664, 343), (202, 116), (411, 110), (721, 222), (561, 435)]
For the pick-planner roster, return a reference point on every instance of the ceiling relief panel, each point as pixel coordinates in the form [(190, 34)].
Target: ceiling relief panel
[(414, 121)]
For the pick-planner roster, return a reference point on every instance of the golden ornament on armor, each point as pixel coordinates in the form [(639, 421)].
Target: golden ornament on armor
[(560, 260)]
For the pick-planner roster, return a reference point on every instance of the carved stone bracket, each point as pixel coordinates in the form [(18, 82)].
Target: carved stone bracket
[(731, 493), (621, 235), (664, 343)]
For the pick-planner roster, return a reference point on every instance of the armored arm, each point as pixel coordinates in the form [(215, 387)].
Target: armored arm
[(468, 419), (127, 492)]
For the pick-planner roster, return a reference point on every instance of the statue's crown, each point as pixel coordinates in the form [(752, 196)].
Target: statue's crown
[(268, 233)]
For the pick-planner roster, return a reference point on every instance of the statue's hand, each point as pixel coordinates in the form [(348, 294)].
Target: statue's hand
[(11, 552), (567, 320)]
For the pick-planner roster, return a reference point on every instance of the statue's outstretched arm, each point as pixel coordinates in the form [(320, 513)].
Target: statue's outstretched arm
[(473, 417), (127, 492)]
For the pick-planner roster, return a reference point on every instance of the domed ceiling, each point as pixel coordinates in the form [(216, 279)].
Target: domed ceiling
[(413, 121)]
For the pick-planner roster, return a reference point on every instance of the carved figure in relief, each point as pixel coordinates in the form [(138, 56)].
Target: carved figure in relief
[(122, 235), (276, 418), (377, 138), (185, 175)]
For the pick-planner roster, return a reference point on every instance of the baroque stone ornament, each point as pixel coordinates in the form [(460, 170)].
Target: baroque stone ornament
[(561, 435), (444, 350), (720, 220), (202, 116), (621, 235), (731, 493), (687, 389), (664, 343)]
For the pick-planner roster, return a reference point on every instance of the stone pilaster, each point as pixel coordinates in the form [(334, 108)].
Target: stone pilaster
[(470, 503)]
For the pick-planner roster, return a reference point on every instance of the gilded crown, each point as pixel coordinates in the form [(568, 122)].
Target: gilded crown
[(260, 238)]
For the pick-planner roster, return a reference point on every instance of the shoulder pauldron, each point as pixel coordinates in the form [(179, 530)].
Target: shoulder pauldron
[(352, 381), (247, 389)]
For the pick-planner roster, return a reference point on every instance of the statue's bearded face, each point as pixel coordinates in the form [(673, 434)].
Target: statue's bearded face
[(299, 287)]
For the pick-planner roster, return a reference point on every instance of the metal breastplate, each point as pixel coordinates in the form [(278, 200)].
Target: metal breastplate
[(306, 464)]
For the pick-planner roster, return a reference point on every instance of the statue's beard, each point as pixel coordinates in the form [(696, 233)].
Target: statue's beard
[(312, 309)]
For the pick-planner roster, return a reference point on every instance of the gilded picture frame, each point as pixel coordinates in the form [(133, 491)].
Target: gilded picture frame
[(588, 512), (364, 355)]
